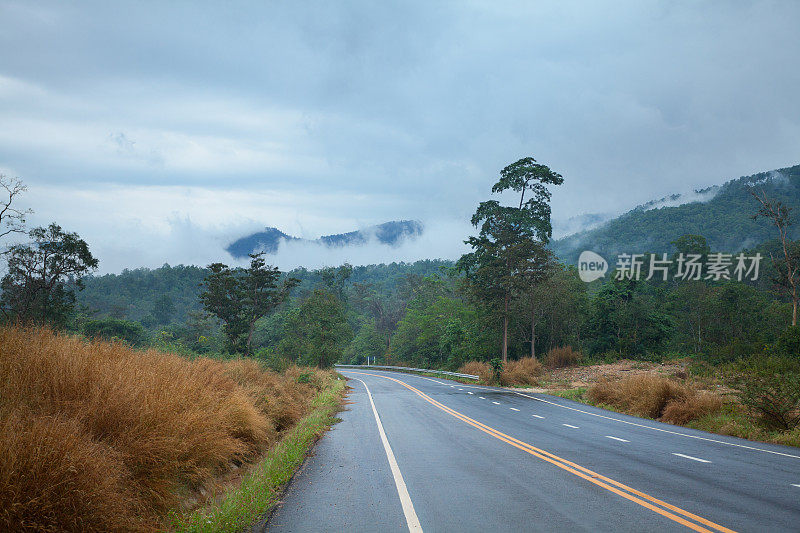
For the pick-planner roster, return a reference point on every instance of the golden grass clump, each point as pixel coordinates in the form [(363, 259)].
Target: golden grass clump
[(478, 368), (562, 356), (525, 371), (691, 408), (656, 397), (96, 436)]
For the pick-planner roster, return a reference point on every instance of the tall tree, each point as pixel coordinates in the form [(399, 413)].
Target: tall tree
[(240, 297), (510, 246), (788, 266), (43, 276)]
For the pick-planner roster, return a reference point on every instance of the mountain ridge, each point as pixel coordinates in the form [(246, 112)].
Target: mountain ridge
[(389, 233)]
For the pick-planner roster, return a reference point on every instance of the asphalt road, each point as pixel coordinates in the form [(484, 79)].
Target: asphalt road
[(468, 458)]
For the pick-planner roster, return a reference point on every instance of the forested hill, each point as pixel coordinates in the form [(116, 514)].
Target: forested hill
[(139, 294), (389, 233), (725, 220)]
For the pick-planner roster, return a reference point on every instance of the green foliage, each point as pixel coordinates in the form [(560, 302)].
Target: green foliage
[(43, 276), (770, 386), (241, 297), (114, 328), (316, 332), (789, 342)]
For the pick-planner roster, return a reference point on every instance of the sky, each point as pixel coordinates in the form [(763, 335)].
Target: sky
[(161, 131)]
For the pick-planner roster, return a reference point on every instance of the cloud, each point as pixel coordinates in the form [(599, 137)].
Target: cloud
[(323, 117)]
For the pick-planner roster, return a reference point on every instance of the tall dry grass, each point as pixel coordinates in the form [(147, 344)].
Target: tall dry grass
[(656, 397), (525, 371), (478, 368), (562, 356), (96, 436)]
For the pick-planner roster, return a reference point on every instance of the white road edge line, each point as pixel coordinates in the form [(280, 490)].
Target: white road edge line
[(538, 416), (513, 408), (571, 426), (659, 429), (408, 507), (616, 438), (692, 458)]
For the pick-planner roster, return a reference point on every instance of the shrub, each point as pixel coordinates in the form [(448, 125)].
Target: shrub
[(641, 395), (789, 342), (769, 386), (561, 357), (478, 368), (523, 371), (691, 408), (115, 328), (656, 397)]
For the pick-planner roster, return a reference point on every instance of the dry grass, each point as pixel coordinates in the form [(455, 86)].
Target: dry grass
[(478, 368), (656, 397), (692, 407), (525, 371), (96, 436), (562, 357)]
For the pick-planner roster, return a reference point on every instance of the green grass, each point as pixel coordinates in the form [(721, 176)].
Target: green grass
[(260, 489), (571, 394)]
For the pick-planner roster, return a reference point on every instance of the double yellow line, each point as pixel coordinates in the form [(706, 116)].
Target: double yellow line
[(670, 511)]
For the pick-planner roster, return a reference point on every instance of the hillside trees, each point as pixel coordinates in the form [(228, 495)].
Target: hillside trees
[(240, 297), (509, 250), (787, 266), (316, 332), (43, 276)]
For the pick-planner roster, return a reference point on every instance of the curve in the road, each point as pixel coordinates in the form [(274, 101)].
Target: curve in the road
[(665, 509)]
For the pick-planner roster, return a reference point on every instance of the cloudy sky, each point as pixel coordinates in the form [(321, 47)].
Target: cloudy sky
[(160, 131)]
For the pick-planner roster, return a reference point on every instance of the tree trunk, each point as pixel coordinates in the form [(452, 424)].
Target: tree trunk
[(794, 311), (533, 336), (505, 330), (250, 337)]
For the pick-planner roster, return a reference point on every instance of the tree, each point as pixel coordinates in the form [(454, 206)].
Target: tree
[(43, 276), (12, 219), (788, 266), (240, 297), (316, 333), (510, 246), (163, 309)]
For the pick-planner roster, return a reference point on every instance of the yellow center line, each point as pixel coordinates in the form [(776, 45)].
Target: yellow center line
[(607, 483)]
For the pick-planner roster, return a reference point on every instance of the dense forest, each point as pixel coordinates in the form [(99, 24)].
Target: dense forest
[(424, 314), (441, 314), (725, 220)]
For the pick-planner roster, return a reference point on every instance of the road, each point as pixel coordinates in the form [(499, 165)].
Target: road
[(435, 455)]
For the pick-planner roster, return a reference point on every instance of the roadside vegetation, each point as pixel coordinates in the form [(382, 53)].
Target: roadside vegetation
[(98, 436)]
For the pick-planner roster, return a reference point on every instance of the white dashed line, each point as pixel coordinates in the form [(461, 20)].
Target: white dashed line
[(513, 408), (537, 416), (460, 389), (496, 403), (659, 429), (571, 426), (616, 438), (796, 485), (469, 392), (692, 458), (481, 397)]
